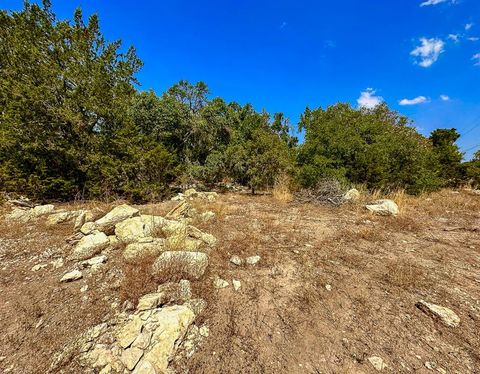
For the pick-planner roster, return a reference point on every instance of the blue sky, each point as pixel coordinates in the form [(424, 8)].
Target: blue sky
[(284, 55)]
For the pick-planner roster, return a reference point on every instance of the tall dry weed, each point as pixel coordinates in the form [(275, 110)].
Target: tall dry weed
[(282, 190)]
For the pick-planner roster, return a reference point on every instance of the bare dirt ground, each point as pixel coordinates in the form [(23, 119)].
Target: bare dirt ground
[(283, 319)]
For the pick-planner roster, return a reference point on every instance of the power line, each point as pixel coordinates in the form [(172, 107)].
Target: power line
[(473, 127), (469, 149)]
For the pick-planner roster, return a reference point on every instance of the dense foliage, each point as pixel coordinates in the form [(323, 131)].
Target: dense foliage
[(371, 146), (73, 124)]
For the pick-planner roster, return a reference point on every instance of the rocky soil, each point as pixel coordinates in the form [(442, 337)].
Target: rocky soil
[(235, 283)]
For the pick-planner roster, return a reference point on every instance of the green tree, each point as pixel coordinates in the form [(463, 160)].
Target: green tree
[(448, 154), (64, 93), (371, 146)]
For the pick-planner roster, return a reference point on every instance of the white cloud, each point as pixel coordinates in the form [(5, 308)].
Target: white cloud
[(444, 98), (428, 51), (436, 2), (454, 37), (473, 39), (476, 58), (368, 99), (415, 101), (468, 26)]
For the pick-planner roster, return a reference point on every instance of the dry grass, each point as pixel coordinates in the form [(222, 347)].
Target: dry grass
[(406, 274), (282, 191), (138, 279)]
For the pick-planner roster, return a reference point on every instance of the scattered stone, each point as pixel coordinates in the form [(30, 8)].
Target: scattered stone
[(84, 288), (236, 284), (377, 363), (447, 316), (131, 356), (90, 245), (252, 260), (220, 283), (57, 263), (430, 365), (72, 276), (39, 267), (207, 216), (118, 214), (193, 264), (352, 195), (209, 239), (384, 207), (236, 260), (94, 261), (328, 287)]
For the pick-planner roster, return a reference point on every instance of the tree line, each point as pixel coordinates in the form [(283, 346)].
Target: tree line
[(74, 125)]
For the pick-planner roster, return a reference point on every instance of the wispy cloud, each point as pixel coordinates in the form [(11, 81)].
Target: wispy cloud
[(473, 39), (436, 2), (415, 101), (468, 26), (454, 37), (445, 98), (368, 99), (283, 25), (428, 51), (329, 44), (476, 58)]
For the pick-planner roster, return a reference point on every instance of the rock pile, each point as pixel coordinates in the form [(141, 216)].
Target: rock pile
[(146, 341), (191, 194)]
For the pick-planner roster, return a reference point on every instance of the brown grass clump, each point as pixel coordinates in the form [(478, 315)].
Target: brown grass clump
[(282, 190), (406, 274), (138, 279)]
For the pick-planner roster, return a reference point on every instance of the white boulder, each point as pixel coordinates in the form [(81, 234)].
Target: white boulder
[(383, 207)]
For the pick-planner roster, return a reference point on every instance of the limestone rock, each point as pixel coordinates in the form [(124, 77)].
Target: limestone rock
[(130, 331), (87, 228), (71, 276), (90, 245), (377, 363), (135, 251), (236, 284), (135, 228), (61, 217), (18, 214), (143, 340), (118, 214), (192, 264), (352, 195), (145, 367), (207, 216), (383, 207), (173, 322), (41, 210), (209, 239), (130, 357), (39, 267), (236, 260), (57, 263), (446, 315), (252, 260), (220, 283), (94, 261)]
